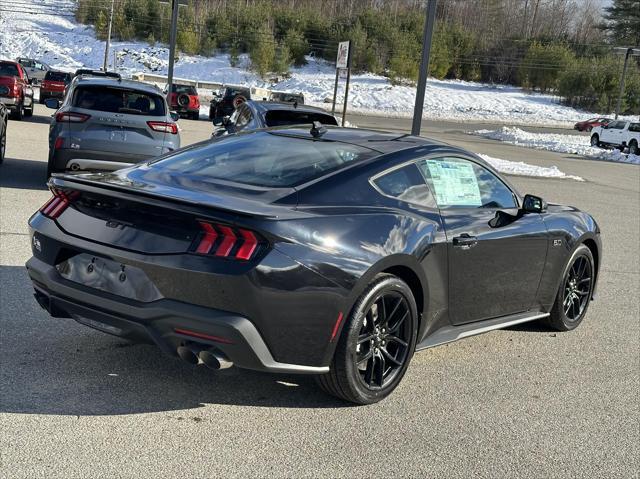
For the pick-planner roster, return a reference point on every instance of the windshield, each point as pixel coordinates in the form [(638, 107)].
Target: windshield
[(187, 89), (118, 100), (264, 159), (58, 76), (9, 70)]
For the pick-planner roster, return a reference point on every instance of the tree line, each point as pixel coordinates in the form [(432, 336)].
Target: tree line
[(564, 47)]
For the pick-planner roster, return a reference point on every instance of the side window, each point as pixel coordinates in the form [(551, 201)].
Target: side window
[(616, 125), (406, 184), (460, 183)]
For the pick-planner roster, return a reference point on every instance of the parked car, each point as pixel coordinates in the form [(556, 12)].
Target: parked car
[(4, 121), (588, 125), (54, 85), (329, 251), (287, 97), (35, 69), (15, 89), (226, 101), (184, 99), (252, 115), (617, 134), (107, 124)]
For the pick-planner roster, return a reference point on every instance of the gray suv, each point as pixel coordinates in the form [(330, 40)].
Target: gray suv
[(108, 124)]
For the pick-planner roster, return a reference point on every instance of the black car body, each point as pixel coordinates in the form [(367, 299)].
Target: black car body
[(4, 120), (261, 248), (225, 103), (253, 115)]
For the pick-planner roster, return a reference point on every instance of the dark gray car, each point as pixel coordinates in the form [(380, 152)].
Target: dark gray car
[(108, 124), (253, 115), (35, 69)]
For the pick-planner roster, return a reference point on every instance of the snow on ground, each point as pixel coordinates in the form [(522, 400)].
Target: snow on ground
[(65, 44), (524, 169), (574, 144)]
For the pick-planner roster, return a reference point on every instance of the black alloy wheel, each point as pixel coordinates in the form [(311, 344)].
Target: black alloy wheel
[(383, 343), (376, 343), (576, 290)]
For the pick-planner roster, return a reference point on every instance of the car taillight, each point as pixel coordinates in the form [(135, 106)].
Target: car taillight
[(163, 127), (58, 143), (57, 204), (72, 117), (226, 242)]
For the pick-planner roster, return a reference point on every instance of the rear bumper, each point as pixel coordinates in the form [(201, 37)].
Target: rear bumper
[(157, 322), (63, 159), (51, 94), (9, 101)]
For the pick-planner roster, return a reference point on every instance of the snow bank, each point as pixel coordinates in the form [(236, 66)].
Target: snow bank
[(524, 169), (67, 45), (574, 144)]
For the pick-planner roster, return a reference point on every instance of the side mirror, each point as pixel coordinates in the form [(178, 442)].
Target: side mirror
[(52, 103), (226, 121), (174, 115), (533, 204)]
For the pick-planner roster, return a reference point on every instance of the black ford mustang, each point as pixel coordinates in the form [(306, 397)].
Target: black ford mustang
[(333, 252)]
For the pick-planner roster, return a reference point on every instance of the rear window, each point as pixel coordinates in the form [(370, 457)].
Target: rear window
[(288, 117), (118, 100), (58, 76), (264, 159), (187, 89), (634, 127), (9, 70)]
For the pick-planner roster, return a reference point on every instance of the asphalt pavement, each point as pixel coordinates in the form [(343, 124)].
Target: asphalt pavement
[(523, 402)]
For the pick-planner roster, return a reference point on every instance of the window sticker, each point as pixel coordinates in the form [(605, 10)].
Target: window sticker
[(454, 182)]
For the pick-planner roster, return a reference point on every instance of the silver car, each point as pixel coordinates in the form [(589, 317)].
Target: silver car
[(35, 69), (108, 124)]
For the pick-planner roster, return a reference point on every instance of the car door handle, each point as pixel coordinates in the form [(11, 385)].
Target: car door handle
[(465, 241)]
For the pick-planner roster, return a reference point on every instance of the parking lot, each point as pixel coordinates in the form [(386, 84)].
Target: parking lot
[(520, 402)]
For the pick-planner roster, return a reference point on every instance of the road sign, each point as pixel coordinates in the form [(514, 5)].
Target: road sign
[(342, 61)]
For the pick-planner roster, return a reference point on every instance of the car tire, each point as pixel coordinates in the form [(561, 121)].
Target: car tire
[(575, 291), (381, 329), (195, 115), (28, 112), (633, 147), (595, 140), (3, 145), (18, 113)]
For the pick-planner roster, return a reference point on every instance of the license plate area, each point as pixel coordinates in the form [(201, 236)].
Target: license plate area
[(109, 276)]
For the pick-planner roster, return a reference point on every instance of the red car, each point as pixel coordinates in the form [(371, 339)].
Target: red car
[(54, 85), (588, 125), (15, 89), (184, 99)]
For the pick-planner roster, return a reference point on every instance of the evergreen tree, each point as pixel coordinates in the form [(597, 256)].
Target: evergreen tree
[(623, 22)]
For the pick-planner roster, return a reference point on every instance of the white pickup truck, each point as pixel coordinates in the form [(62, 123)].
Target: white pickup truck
[(619, 134)]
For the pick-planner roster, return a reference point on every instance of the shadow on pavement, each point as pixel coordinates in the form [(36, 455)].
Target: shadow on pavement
[(58, 367), (24, 174), (42, 119)]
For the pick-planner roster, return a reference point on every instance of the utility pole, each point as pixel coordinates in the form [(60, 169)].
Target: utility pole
[(628, 52), (106, 47), (173, 37), (175, 5), (424, 67)]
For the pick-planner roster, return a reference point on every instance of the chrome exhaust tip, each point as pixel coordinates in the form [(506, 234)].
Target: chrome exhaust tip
[(189, 353), (214, 360)]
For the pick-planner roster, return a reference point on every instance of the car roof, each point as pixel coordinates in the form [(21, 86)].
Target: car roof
[(114, 82), (264, 106)]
